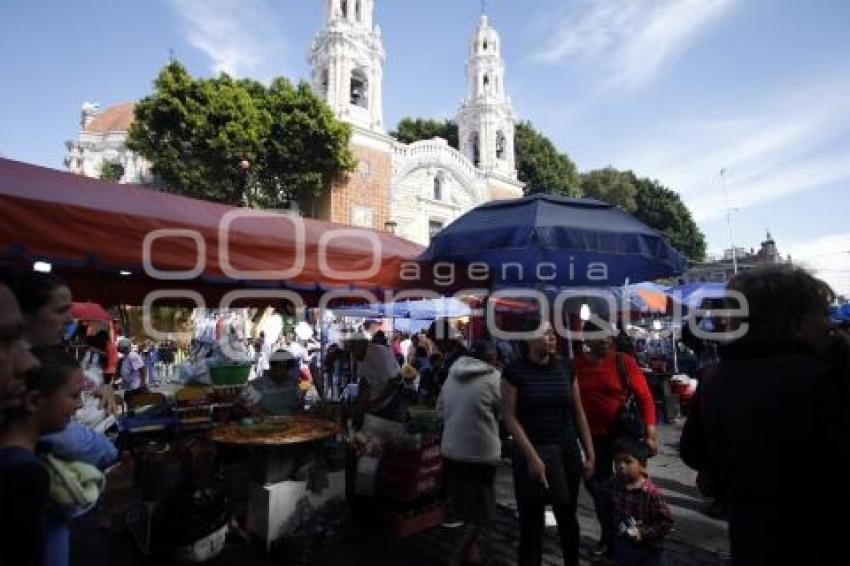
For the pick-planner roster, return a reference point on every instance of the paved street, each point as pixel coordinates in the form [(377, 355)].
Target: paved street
[(697, 540)]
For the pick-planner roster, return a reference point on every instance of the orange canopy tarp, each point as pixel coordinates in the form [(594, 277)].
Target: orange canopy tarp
[(92, 230)]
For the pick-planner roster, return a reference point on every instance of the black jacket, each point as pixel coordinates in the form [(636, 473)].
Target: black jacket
[(777, 441)]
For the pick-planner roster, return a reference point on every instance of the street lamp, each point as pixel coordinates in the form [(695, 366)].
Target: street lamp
[(244, 167), (729, 211)]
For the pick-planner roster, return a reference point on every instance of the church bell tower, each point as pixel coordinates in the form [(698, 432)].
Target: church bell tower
[(486, 120), (347, 60)]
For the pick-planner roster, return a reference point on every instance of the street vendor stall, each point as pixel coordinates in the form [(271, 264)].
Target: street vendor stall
[(290, 476)]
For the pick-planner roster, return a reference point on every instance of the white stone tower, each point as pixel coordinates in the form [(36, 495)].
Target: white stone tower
[(347, 60), (486, 120)]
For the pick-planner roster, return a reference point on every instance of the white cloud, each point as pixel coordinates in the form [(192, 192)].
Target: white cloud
[(239, 36), (786, 145), (630, 40), (828, 257)]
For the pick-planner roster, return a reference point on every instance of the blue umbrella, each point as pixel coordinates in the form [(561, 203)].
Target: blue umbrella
[(429, 309), (557, 241), (840, 314), (693, 294)]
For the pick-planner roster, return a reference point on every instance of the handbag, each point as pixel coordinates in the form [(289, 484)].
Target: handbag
[(629, 420)]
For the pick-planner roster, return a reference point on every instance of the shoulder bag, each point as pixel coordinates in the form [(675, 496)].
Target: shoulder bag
[(629, 420)]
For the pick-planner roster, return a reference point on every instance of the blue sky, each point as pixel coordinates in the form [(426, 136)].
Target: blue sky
[(673, 89)]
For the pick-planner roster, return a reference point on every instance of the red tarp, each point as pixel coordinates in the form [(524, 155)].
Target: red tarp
[(90, 230)]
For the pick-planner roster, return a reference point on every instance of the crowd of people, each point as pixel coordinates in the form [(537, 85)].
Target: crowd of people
[(768, 428), (768, 431)]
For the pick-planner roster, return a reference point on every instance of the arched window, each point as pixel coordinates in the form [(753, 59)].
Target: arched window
[(359, 89), (343, 5), (324, 83), (476, 154), (438, 187), (484, 45), (501, 143), (357, 11), (486, 83)]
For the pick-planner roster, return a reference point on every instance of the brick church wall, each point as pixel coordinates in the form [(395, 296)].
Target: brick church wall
[(368, 186)]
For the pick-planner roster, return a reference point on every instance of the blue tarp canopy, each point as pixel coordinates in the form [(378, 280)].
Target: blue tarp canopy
[(553, 240), (692, 294), (840, 314), (422, 309)]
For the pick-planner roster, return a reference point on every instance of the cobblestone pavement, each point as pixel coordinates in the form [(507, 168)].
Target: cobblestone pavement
[(697, 540)]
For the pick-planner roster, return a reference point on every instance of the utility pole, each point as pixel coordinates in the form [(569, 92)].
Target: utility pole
[(729, 222)]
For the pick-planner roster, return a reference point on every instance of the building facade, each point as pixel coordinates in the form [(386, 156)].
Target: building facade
[(103, 141), (411, 189), (722, 269)]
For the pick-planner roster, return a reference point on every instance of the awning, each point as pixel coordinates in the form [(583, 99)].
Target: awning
[(94, 234)]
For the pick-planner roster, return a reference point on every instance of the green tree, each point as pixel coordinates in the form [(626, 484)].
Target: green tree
[(610, 185), (111, 171), (410, 130), (663, 209), (540, 166), (196, 132)]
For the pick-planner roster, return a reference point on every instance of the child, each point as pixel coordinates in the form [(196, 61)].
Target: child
[(52, 395), (640, 514)]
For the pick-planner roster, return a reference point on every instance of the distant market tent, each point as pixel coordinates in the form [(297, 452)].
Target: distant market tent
[(693, 294)]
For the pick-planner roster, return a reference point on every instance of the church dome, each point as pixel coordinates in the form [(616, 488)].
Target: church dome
[(116, 118)]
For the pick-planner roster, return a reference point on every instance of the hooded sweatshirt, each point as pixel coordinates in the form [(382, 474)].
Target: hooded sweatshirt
[(469, 405)]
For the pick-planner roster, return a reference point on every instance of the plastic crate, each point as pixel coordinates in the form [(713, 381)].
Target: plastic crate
[(405, 524), (412, 484), (229, 374), (403, 459)]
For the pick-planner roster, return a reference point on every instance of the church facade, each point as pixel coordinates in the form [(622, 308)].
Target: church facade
[(411, 189)]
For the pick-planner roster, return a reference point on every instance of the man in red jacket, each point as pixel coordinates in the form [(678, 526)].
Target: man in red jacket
[(602, 395)]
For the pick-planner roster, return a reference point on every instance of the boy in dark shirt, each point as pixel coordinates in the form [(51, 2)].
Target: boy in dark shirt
[(640, 514)]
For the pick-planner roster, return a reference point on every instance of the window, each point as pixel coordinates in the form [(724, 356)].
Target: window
[(324, 84), (438, 187), (359, 89), (486, 83), (357, 11), (362, 216), (484, 45), (344, 8), (434, 226), (473, 143), (501, 142)]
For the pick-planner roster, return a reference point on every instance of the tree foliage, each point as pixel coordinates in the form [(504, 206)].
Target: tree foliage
[(541, 166), (663, 209), (610, 185), (410, 130), (196, 132), (111, 171)]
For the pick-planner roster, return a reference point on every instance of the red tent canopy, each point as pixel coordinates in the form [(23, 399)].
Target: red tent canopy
[(94, 234)]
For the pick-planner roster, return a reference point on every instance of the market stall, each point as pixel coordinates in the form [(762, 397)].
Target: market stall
[(116, 244), (96, 234)]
